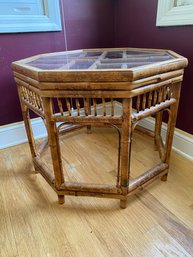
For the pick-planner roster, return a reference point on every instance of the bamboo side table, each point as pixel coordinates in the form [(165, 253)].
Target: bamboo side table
[(146, 82)]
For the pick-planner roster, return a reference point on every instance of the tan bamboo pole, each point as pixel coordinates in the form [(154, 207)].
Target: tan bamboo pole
[(152, 110), (155, 98), (86, 107), (90, 187), (164, 93), (44, 170), (25, 93), (95, 106), (169, 90), (38, 101), (138, 103), (88, 119), (150, 99), (160, 94), (60, 106), (158, 125), (125, 148), (32, 98), (91, 194), (112, 107), (53, 141), (26, 118), (68, 106), (160, 146), (171, 124), (89, 113), (154, 87), (147, 176), (104, 107), (42, 147), (77, 106), (144, 102)]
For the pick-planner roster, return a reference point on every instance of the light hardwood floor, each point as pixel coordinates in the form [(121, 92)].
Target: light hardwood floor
[(157, 222)]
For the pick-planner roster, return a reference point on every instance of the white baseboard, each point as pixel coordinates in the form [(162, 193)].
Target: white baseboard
[(182, 142), (14, 134)]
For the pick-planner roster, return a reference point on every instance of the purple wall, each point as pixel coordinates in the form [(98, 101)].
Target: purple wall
[(89, 23), (103, 23), (135, 27)]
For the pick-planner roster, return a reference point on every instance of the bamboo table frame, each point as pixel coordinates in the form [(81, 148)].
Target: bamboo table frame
[(146, 80)]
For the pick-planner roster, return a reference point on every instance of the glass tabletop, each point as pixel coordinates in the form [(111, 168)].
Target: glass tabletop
[(98, 59)]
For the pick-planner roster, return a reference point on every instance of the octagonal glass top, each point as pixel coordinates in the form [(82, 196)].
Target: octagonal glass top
[(98, 59)]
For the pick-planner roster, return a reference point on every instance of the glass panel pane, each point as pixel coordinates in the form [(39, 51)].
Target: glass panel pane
[(83, 60)]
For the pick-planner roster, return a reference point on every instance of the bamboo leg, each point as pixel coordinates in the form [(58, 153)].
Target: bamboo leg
[(53, 140), (165, 177), (123, 203), (26, 118), (61, 199), (158, 119), (171, 125), (158, 125), (125, 149)]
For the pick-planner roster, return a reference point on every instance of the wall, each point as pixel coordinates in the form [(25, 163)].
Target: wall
[(92, 23), (135, 27), (89, 24)]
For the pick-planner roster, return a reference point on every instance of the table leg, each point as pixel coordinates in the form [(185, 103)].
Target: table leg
[(53, 139), (26, 118), (158, 125), (126, 149), (171, 125)]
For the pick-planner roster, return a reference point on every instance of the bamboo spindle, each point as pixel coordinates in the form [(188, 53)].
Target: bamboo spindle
[(104, 107), (32, 98), (158, 125), (68, 106), (168, 92), (25, 93), (37, 101), (87, 108), (155, 98), (60, 106), (150, 99), (138, 103), (144, 102), (95, 106), (164, 93), (112, 107), (77, 106)]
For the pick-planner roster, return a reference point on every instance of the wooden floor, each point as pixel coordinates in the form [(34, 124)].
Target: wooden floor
[(157, 222)]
